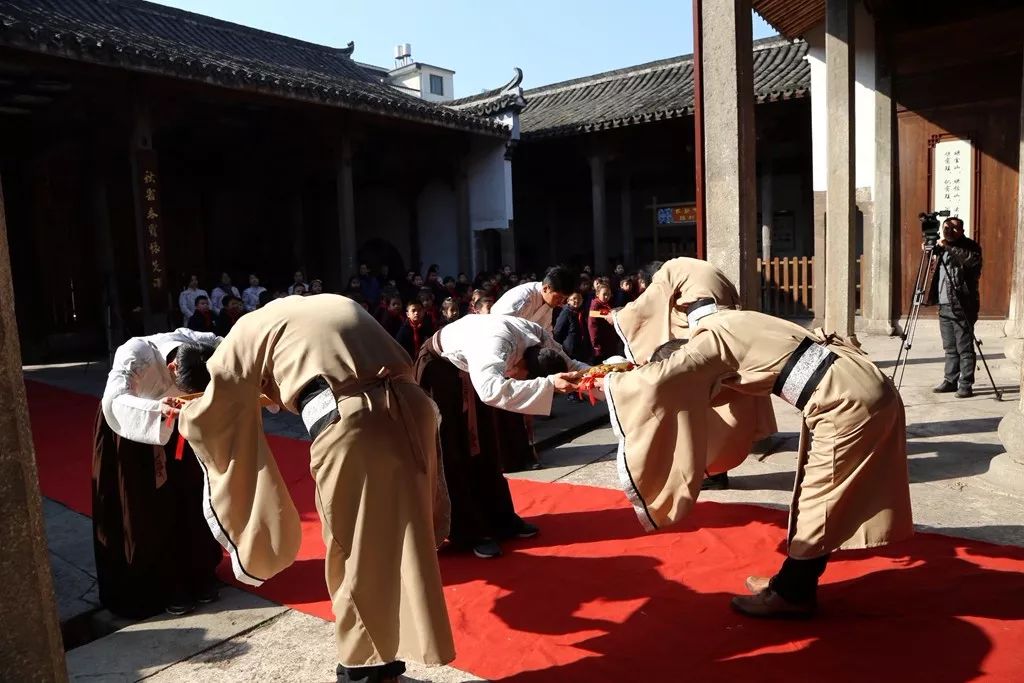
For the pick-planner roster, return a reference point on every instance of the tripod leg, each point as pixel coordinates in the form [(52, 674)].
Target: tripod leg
[(910, 326), (981, 354)]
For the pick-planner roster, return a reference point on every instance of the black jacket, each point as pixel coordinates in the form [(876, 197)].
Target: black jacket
[(963, 270), (571, 332)]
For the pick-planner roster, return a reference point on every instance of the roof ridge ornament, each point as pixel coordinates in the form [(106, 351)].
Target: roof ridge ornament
[(516, 82)]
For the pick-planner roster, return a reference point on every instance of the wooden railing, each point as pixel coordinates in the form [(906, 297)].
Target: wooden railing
[(787, 285)]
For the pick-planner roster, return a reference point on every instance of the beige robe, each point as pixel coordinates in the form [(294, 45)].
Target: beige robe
[(375, 470), (659, 315), (852, 488)]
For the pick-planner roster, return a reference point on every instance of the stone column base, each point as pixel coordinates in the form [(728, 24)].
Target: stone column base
[(876, 326)]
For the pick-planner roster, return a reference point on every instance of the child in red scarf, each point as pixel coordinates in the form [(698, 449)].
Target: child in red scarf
[(416, 329)]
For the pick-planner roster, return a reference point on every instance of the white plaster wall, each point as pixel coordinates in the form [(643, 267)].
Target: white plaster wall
[(864, 101), (490, 185), (424, 85), (412, 81), (436, 210)]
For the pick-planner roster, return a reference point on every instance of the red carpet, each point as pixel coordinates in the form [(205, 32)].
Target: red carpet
[(592, 599)]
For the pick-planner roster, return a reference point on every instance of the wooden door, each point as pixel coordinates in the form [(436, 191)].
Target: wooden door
[(993, 129)]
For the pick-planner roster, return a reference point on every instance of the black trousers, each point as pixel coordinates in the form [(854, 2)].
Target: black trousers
[(958, 343), (797, 580)]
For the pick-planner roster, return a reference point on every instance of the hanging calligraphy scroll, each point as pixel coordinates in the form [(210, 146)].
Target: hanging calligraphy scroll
[(953, 179), (154, 262)]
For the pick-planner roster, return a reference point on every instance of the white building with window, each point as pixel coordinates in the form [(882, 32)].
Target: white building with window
[(426, 81)]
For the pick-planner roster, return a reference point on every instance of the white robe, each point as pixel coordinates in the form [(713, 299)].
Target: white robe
[(137, 381), (187, 302), (251, 298), (488, 346), (526, 301), (217, 298)]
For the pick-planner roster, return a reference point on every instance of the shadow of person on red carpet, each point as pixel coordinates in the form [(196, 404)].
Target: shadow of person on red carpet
[(894, 624), (908, 611)]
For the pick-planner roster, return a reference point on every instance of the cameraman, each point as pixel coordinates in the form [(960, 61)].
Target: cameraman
[(959, 303)]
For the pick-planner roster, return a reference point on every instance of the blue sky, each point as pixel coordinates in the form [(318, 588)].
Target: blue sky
[(550, 40)]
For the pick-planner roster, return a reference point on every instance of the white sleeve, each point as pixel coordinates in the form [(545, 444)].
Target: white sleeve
[(183, 304), (216, 298), (511, 303), (139, 420), (487, 367), (131, 417)]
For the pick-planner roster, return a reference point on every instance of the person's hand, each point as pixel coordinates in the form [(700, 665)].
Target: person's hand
[(170, 407), (564, 382)]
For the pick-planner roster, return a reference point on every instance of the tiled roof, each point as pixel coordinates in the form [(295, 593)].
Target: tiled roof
[(791, 18), (148, 37), (655, 91), (500, 99)]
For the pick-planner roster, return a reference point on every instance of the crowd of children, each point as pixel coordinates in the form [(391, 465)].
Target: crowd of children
[(415, 307)]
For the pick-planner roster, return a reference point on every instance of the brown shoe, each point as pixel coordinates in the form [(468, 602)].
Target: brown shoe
[(756, 584), (770, 605)]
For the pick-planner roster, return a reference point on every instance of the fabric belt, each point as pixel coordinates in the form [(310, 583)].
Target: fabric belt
[(701, 308), (318, 405), (803, 372)]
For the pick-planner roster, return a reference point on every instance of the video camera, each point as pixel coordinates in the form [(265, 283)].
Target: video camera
[(930, 226)]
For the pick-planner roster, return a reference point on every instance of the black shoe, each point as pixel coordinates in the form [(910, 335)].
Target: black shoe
[(715, 482), (526, 530), (944, 387), (208, 593), (964, 392), (370, 674), (487, 549), (180, 606)]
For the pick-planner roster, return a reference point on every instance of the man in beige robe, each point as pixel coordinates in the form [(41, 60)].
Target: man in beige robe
[(373, 459), (663, 313), (851, 488)]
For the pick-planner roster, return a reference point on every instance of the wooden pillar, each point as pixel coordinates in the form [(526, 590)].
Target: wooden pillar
[(462, 220), (597, 198), (147, 191), (841, 215), (30, 640), (729, 149), (1015, 319), (626, 213), (767, 208), (296, 231), (346, 213), (105, 262)]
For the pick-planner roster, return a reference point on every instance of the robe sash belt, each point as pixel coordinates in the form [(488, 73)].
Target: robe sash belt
[(803, 372), (318, 404)]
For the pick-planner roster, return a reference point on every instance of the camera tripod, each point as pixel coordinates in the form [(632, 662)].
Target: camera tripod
[(909, 328)]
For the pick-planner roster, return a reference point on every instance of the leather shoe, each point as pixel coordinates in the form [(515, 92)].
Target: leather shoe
[(756, 584), (944, 387), (964, 392), (715, 482), (770, 605)]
